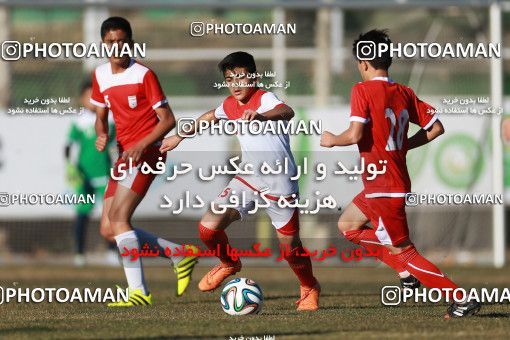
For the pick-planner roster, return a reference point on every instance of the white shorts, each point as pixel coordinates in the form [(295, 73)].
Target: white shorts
[(285, 220)]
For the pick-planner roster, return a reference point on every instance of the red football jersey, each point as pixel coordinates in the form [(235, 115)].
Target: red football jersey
[(386, 108), (132, 96)]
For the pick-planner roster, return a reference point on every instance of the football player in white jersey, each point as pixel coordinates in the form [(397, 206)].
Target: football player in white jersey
[(248, 103)]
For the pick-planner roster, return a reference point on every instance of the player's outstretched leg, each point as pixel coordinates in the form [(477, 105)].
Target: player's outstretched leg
[(119, 209), (138, 292), (212, 233), (352, 224), (310, 289), (181, 264), (432, 277), (105, 229)]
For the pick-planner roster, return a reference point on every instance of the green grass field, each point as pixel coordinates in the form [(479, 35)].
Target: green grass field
[(350, 304)]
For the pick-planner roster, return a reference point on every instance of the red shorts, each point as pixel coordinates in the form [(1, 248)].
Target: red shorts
[(136, 180), (388, 216)]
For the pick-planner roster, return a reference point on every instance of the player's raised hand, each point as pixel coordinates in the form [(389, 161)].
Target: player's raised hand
[(101, 142), (170, 143), (327, 139), (249, 115), (135, 153)]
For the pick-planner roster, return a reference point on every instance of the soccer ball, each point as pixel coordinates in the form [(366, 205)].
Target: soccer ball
[(241, 296)]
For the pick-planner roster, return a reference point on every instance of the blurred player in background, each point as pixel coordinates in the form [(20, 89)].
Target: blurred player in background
[(142, 118), (88, 172), (247, 102), (380, 114)]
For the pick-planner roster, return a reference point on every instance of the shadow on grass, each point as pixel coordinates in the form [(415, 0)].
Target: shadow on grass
[(379, 306), (344, 307), (493, 315), (246, 336), (323, 295), (8, 331), (212, 298)]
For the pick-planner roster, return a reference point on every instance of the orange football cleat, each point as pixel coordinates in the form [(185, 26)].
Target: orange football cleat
[(309, 298), (217, 275)]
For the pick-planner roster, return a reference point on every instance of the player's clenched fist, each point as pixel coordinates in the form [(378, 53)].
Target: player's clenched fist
[(101, 142), (170, 143), (327, 139)]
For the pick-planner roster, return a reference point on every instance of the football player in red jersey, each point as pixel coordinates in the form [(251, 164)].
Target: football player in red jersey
[(381, 111), (131, 91), (247, 103)]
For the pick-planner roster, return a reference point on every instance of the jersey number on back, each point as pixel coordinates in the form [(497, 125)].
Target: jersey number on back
[(395, 142)]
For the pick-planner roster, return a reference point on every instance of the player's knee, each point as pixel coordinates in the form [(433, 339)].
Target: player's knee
[(216, 221), (400, 247), (397, 249), (394, 250), (108, 236), (293, 240), (344, 226), (105, 231), (289, 230), (210, 221), (116, 214)]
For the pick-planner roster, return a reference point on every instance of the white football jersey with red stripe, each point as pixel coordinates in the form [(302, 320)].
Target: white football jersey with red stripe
[(256, 149), (132, 96)]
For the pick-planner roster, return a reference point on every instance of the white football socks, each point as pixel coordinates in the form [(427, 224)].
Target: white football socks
[(404, 274), (160, 243), (132, 269)]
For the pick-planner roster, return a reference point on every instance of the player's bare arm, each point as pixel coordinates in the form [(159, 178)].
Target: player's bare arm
[(101, 127), (165, 124), (281, 112), (173, 141), (349, 137), (423, 137)]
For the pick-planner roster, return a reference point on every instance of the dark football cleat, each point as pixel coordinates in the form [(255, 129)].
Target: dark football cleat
[(460, 310), (410, 282)]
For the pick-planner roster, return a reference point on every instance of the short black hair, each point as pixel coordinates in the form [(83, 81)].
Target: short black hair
[(116, 23), (85, 85), (238, 59), (379, 37)]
